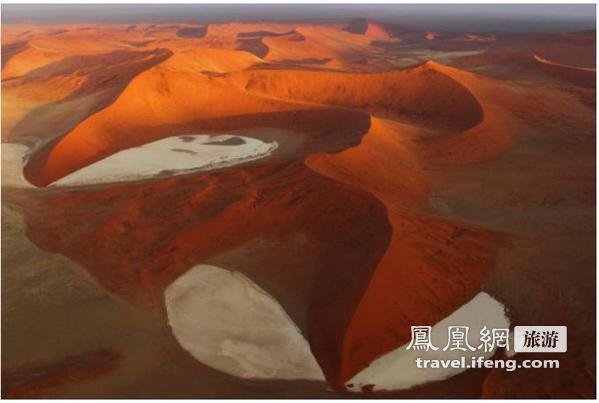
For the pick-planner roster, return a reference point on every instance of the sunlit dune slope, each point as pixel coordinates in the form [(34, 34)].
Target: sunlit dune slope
[(316, 42), (212, 60)]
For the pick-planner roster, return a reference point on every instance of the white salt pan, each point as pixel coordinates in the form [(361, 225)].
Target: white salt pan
[(173, 155), (397, 369), (228, 323)]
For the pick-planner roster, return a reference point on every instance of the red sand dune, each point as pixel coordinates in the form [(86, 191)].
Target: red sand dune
[(61, 93), (384, 164), (213, 60), (165, 95), (490, 137), (318, 42), (190, 234), (42, 49), (150, 107), (422, 94)]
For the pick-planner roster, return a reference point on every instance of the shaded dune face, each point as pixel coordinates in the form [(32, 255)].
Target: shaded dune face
[(99, 72), (489, 138), (11, 49), (423, 94), (254, 46), (191, 32), (357, 26), (362, 26), (262, 33), (87, 82), (373, 260)]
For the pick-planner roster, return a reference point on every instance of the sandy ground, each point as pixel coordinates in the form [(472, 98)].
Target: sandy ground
[(549, 216), (52, 309), (173, 155), (543, 60)]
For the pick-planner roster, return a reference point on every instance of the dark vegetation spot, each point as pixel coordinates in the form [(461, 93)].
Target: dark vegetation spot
[(233, 141), (187, 139)]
